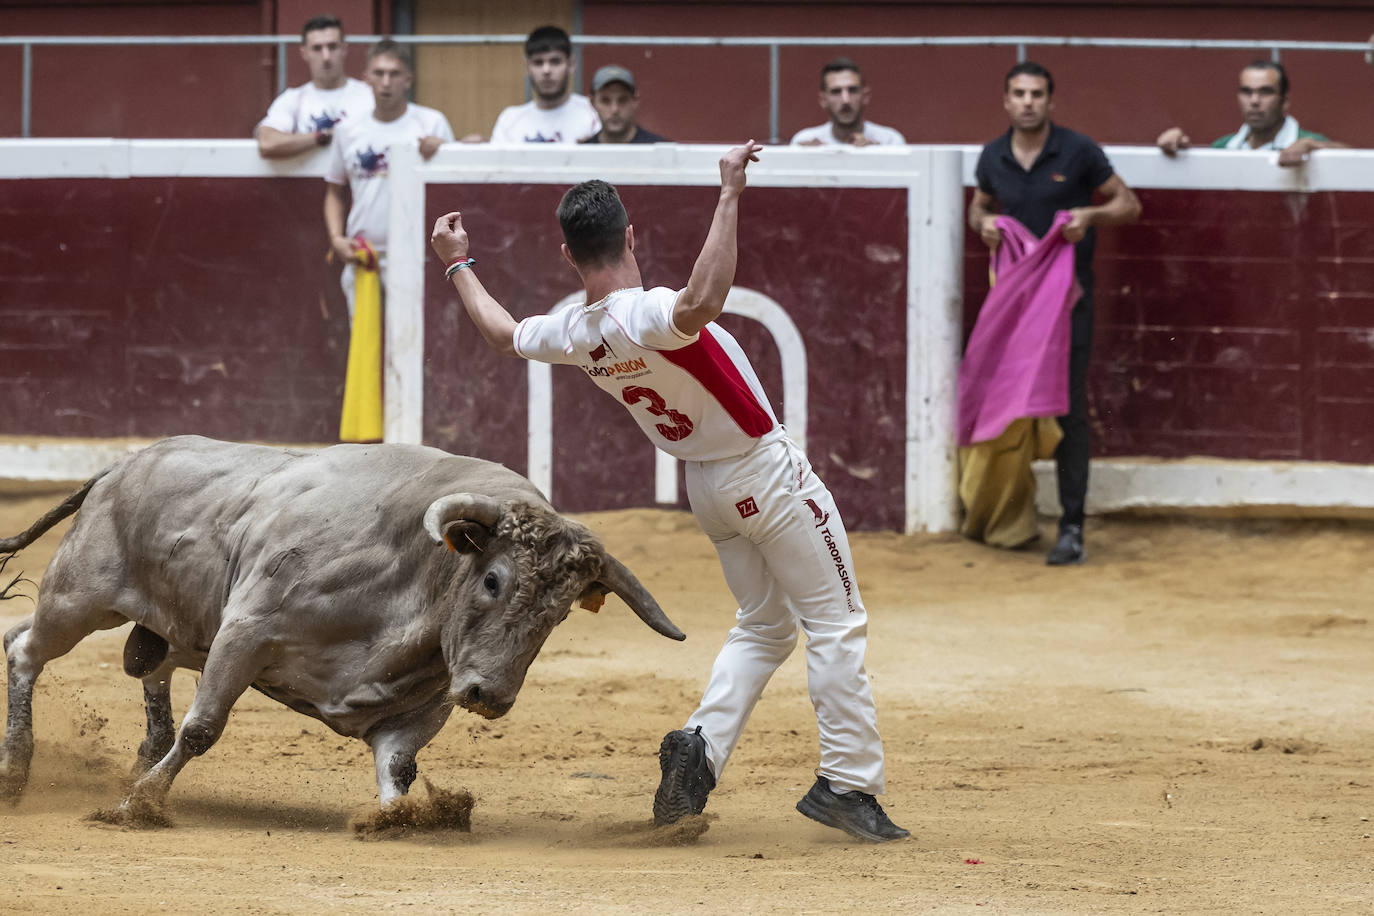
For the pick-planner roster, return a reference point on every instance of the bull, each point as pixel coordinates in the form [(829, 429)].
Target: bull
[(372, 587)]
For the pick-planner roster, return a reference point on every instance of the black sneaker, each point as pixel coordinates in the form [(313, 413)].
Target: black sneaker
[(1068, 549), (856, 813), (687, 777)]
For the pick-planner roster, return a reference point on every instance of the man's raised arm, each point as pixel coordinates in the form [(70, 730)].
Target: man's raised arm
[(450, 242), (702, 300)]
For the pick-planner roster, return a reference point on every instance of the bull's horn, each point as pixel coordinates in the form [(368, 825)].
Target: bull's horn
[(469, 507), (620, 580)]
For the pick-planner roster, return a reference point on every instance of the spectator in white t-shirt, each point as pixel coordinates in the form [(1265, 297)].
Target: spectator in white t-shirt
[(303, 118), (556, 114), (844, 97), (358, 166)]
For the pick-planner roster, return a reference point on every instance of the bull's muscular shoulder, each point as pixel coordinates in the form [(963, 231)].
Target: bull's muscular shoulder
[(196, 472), (212, 505)]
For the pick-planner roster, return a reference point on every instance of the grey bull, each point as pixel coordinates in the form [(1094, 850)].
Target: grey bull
[(372, 587)]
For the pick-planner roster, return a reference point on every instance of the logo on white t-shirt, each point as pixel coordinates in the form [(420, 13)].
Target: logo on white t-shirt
[(601, 352), (371, 163), (323, 121)]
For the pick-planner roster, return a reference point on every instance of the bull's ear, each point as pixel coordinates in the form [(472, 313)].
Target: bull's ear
[(466, 536)]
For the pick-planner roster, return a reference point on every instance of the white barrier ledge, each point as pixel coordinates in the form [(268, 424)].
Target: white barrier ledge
[(1214, 483), (1118, 484), (670, 163), (58, 463)]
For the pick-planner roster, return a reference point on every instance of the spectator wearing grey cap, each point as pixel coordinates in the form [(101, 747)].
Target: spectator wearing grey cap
[(616, 102)]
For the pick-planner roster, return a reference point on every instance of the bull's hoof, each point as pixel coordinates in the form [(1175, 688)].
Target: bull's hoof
[(12, 781), (137, 811), (443, 810), (11, 789), (142, 765)]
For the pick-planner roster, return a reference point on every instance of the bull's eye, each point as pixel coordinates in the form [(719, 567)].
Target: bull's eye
[(491, 583)]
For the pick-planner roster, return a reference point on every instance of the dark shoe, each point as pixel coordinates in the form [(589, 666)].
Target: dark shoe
[(687, 777), (1069, 548), (856, 813)]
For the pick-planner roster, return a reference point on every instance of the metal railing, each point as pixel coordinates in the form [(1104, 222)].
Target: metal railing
[(774, 45)]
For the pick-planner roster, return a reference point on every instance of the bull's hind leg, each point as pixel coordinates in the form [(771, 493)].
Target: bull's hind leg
[(57, 625), (145, 657), (162, 730), (236, 657), (17, 751)]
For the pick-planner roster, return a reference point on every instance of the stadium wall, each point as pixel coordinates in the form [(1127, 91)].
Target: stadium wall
[(714, 94), (164, 287), (953, 94)]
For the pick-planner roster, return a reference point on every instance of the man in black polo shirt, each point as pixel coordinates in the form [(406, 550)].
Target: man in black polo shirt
[(1034, 170)]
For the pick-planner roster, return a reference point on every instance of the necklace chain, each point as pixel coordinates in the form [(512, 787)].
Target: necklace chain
[(622, 289)]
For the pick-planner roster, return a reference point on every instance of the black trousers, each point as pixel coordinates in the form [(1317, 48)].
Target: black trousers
[(1071, 457)]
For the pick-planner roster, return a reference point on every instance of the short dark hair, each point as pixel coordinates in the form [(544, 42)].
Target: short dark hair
[(318, 23), (1276, 67), (548, 38), (840, 65), (394, 49), (593, 221), (1029, 68)]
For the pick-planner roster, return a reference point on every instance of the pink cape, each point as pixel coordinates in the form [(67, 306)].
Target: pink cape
[(1017, 361)]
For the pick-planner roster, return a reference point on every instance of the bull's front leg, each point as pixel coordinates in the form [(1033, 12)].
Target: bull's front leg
[(395, 743), (237, 656)]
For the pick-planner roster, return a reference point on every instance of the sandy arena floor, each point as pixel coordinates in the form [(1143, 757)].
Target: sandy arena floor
[(1182, 725)]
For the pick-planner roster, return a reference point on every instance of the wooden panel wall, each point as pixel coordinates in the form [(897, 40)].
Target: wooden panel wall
[(472, 84)]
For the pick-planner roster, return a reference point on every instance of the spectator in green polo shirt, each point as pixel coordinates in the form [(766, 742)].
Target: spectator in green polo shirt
[(1263, 96)]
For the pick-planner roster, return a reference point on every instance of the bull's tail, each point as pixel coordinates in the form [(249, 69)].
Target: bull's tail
[(56, 514), (7, 589)]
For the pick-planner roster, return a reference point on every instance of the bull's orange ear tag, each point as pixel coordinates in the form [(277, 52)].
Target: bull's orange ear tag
[(457, 546), (592, 600)]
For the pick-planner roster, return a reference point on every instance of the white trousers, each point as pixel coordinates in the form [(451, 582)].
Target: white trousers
[(786, 558)]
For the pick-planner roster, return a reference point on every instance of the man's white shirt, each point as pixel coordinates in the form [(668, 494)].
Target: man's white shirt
[(874, 133), (358, 159), (307, 108), (1286, 137), (695, 396), (573, 121)]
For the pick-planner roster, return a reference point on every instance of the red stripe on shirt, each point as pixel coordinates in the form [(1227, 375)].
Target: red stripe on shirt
[(706, 362)]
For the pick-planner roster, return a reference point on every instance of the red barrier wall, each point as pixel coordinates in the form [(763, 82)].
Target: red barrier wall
[(151, 307), (835, 259), (1231, 324)]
